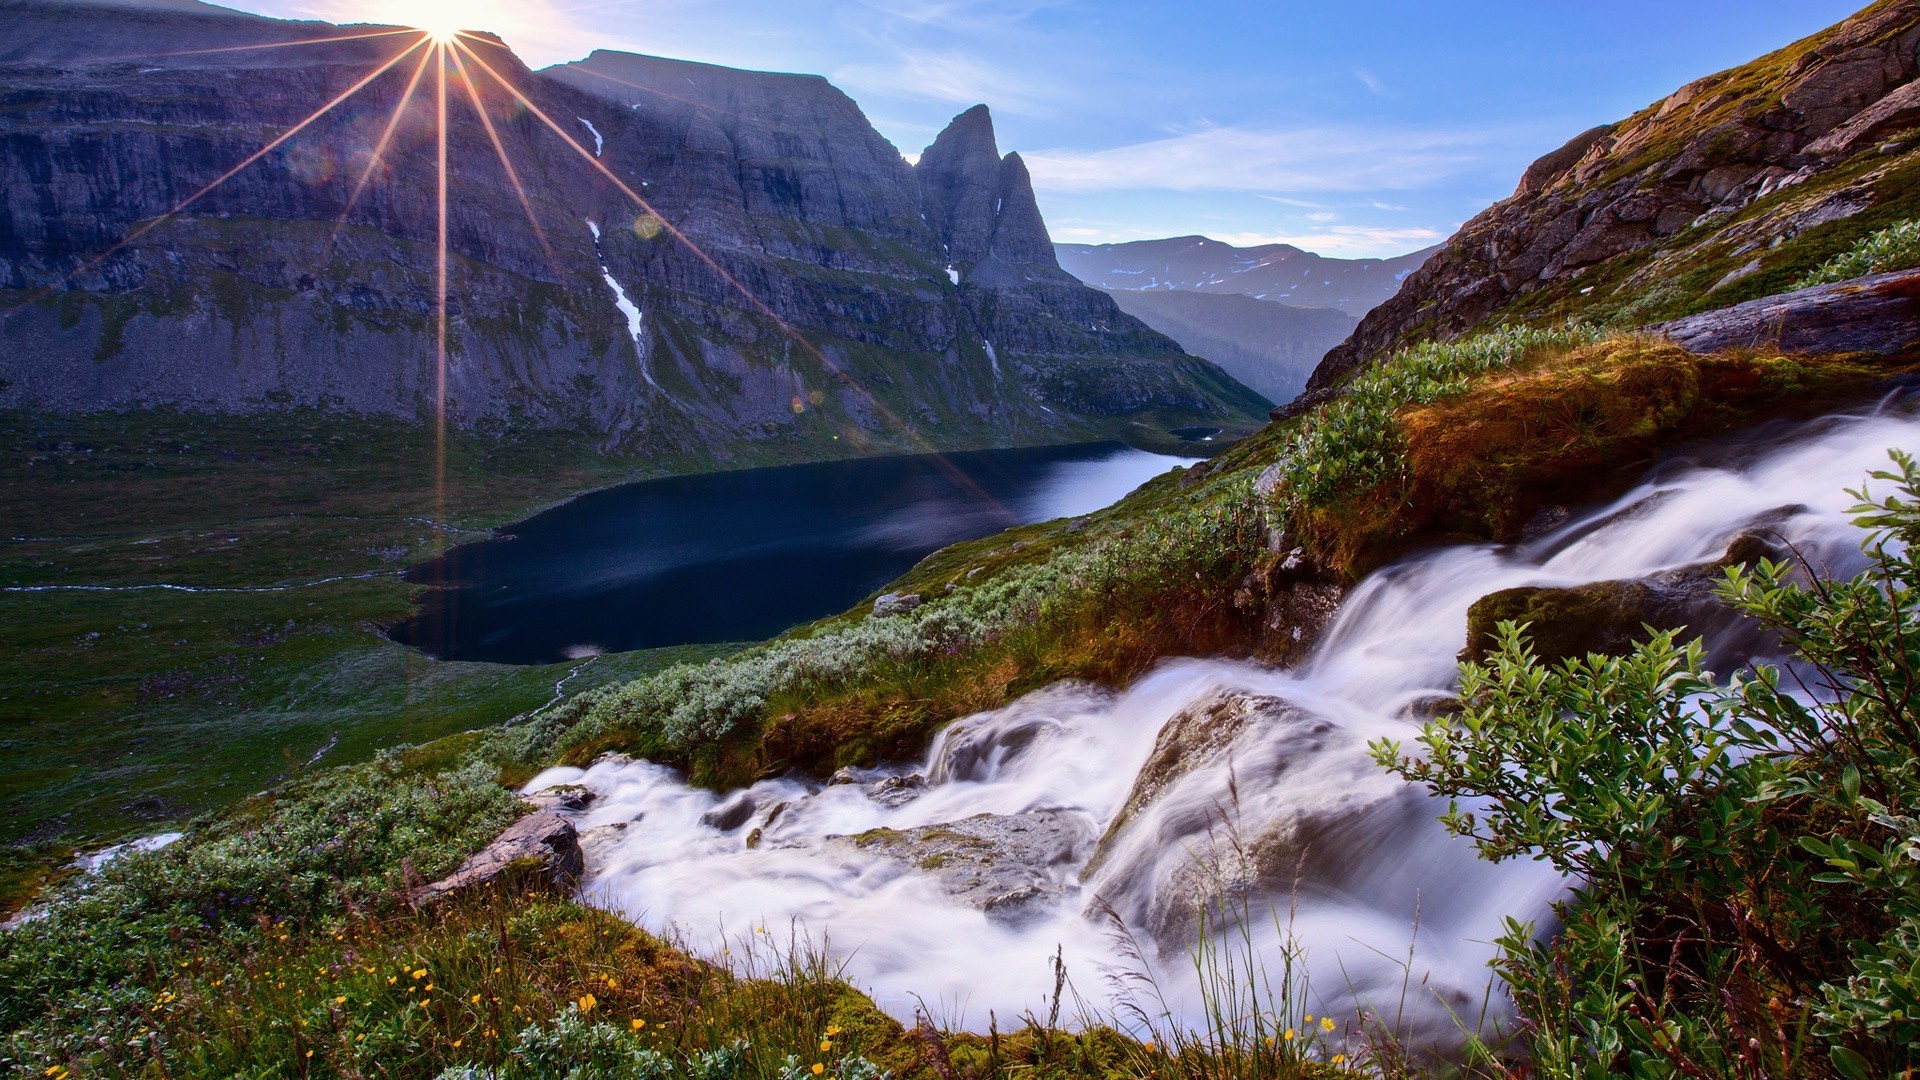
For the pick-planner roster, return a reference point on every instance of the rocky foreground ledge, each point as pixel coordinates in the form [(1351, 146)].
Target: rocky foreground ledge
[(1878, 314)]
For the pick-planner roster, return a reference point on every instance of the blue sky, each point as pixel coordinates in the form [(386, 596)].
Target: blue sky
[(1364, 127)]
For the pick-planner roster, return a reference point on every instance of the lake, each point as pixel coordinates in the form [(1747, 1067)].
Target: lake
[(740, 556)]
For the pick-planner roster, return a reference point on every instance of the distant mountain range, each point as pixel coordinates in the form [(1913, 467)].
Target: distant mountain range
[(1281, 273), (839, 297), (1265, 314), (1271, 347)]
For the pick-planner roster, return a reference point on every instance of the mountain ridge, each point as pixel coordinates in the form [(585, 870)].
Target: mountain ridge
[(1281, 273), (1726, 190), (818, 310)]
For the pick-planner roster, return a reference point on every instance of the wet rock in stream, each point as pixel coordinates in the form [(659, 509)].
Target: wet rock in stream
[(999, 864)]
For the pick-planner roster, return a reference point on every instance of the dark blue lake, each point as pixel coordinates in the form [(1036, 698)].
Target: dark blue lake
[(740, 556)]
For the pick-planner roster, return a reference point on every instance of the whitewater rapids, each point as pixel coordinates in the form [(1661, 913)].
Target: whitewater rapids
[(1404, 888)]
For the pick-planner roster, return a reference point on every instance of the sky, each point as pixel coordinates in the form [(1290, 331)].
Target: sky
[(1356, 128)]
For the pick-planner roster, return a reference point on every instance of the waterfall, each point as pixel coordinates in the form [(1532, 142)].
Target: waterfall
[(1272, 796)]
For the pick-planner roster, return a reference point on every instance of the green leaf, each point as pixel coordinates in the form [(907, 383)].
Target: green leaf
[(1850, 1064)]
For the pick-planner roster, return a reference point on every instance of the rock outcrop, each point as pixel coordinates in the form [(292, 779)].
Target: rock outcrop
[(813, 302), (1695, 202), (1878, 314), (542, 847)]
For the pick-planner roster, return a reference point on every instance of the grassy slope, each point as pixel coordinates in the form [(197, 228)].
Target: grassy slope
[(123, 709)]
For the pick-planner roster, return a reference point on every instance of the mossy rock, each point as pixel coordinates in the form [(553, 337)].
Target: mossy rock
[(1606, 617)]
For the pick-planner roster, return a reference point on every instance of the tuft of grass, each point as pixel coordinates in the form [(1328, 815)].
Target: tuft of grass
[(1896, 247)]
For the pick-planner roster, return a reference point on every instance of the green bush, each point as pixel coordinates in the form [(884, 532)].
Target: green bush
[(1896, 247), (1748, 858)]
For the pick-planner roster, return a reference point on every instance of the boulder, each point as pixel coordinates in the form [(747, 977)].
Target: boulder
[(999, 864), (1196, 736), (542, 847), (895, 604), (1178, 850), (1610, 617)]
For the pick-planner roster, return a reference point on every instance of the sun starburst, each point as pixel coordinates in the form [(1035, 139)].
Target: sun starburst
[(444, 52)]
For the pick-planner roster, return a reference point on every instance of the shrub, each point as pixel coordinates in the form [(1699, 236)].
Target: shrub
[(1896, 247), (1749, 866)]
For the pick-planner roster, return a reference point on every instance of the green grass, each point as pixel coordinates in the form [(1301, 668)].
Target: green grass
[(122, 711)]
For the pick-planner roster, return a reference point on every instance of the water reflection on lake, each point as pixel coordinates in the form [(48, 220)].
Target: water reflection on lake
[(741, 556)]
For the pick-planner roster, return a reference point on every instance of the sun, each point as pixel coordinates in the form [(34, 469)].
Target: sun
[(441, 20)]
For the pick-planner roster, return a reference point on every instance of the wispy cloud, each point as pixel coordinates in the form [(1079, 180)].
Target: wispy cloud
[(1372, 82), (955, 77), (1346, 240), (1316, 159)]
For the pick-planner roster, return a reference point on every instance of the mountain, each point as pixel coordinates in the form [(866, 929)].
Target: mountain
[(1273, 348), (1732, 188), (826, 294), (1278, 272)]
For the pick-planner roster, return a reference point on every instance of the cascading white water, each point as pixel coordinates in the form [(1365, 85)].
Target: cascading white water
[(1364, 873)]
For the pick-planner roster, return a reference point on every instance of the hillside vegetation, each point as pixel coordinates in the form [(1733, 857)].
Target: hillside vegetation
[(1751, 903)]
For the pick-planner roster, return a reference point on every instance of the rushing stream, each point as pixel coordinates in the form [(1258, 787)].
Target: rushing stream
[(1370, 877)]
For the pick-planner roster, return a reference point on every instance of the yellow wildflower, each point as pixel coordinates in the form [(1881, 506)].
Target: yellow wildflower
[(475, 999), (818, 1068), (1339, 1059), (1326, 1023), (832, 1030), (1288, 1035), (826, 1045), (587, 1002), (456, 1044), (341, 1000), (420, 974), (638, 1024), (1308, 1019), (429, 987)]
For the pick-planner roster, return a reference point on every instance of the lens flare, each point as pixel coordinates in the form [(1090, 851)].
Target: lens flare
[(446, 52)]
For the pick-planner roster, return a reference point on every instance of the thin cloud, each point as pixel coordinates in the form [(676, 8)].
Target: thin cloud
[(1372, 82), (1352, 241), (952, 77), (1321, 159)]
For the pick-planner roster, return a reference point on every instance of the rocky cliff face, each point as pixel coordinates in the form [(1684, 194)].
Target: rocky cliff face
[(1720, 193), (818, 310)]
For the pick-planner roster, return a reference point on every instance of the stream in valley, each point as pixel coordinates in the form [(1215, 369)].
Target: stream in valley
[(1275, 799)]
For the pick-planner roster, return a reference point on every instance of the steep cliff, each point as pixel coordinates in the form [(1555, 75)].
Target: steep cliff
[(817, 312), (1727, 190)]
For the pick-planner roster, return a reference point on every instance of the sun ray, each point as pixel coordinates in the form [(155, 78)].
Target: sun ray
[(499, 148), (440, 299), (654, 90), (251, 48), (380, 148), (143, 230)]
